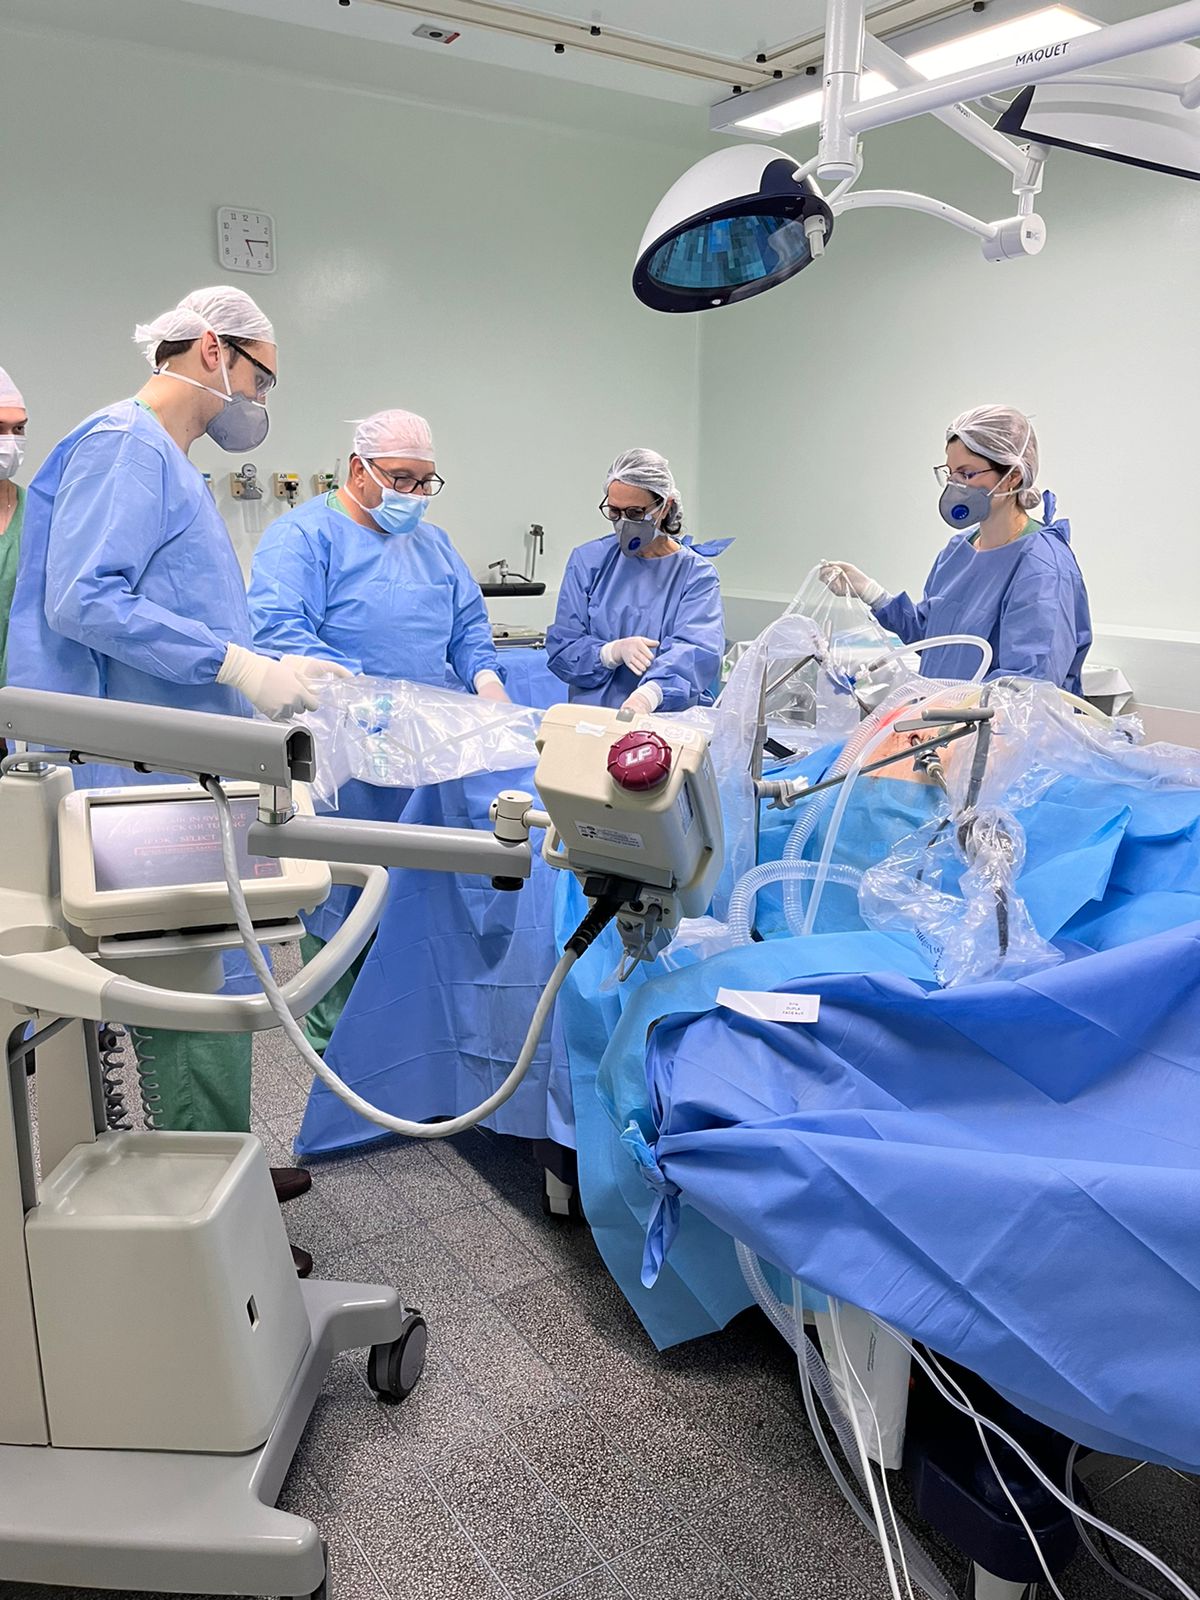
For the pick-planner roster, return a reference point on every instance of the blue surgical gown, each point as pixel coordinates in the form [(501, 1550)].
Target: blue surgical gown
[(129, 588), (390, 605), (608, 595), (1027, 599)]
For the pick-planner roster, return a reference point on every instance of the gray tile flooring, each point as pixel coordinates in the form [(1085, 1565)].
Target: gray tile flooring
[(549, 1450)]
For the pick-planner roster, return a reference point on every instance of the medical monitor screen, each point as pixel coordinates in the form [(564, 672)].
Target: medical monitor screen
[(147, 844), (730, 252)]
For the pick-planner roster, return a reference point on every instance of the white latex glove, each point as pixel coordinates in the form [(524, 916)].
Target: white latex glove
[(646, 697), (489, 687), (280, 688), (843, 578), (636, 653)]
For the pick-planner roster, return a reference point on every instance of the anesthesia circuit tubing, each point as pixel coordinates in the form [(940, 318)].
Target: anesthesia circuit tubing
[(791, 870), (839, 810), (860, 744), (295, 1034)]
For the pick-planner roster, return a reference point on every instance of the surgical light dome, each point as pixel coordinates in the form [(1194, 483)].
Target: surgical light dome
[(735, 224)]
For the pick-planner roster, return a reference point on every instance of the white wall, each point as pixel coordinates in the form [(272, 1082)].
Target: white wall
[(471, 268), (826, 401), (475, 266)]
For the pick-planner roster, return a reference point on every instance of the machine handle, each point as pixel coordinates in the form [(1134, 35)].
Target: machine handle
[(147, 1006)]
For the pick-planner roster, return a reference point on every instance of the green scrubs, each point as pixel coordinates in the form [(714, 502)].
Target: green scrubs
[(323, 1018), (10, 551)]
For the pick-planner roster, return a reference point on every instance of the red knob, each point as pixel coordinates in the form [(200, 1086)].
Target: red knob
[(640, 760)]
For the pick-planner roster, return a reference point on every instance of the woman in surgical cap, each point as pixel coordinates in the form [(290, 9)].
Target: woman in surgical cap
[(13, 418), (639, 622), (1005, 576)]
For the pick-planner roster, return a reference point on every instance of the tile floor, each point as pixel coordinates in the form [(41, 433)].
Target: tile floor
[(549, 1450)]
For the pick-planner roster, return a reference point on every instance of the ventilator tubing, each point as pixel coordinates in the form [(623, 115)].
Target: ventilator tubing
[(908, 694), (740, 915), (954, 692), (984, 648)]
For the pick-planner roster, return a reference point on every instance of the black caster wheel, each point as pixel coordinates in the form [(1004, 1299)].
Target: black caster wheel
[(394, 1370)]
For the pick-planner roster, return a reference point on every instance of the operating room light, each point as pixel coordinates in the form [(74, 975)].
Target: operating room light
[(738, 222), (974, 49)]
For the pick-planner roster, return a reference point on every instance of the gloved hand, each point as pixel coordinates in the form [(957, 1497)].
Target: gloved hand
[(280, 688), (647, 697), (843, 578), (636, 653), (489, 687)]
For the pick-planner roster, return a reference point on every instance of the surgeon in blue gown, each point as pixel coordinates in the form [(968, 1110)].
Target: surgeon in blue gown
[(1004, 576), (129, 589), (639, 620), (362, 577)]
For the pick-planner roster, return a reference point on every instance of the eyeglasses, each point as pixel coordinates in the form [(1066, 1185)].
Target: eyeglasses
[(264, 378), (409, 483), (631, 513), (962, 476)]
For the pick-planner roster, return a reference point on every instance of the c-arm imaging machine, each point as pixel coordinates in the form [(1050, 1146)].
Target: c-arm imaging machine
[(167, 1250)]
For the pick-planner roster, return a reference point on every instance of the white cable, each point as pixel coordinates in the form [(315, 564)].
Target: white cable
[(1075, 1509), (885, 1542), (295, 1034), (1093, 1549), (851, 1377), (1002, 1480)]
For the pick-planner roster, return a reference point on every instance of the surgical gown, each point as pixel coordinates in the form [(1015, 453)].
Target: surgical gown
[(607, 595), (129, 589), (1027, 599), (390, 605)]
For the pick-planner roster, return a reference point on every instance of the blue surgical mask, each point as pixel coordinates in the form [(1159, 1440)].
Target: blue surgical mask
[(396, 512)]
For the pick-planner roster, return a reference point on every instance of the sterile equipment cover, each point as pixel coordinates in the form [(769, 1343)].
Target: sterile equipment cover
[(398, 734)]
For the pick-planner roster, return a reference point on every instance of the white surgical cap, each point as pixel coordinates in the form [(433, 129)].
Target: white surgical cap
[(1003, 435), (227, 312), (394, 433), (646, 469), (10, 395)]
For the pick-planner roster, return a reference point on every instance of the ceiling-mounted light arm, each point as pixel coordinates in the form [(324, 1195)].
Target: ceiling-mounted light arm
[(1174, 25), (1027, 184), (903, 200), (881, 58), (845, 30), (1008, 240)]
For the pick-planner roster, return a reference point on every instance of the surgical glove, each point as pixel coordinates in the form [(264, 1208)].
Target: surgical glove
[(843, 578), (646, 697), (280, 688), (636, 653), (489, 687)]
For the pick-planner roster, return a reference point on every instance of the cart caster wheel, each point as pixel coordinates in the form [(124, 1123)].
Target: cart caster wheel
[(559, 1199), (394, 1370)]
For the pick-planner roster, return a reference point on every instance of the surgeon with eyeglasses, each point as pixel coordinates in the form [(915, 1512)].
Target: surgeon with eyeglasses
[(639, 623), (1004, 576), (361, 576)]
